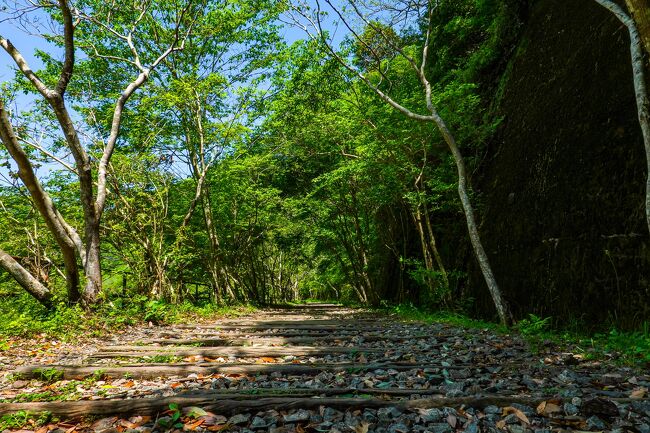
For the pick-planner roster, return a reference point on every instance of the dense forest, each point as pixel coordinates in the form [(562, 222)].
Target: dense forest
[(478, 156)]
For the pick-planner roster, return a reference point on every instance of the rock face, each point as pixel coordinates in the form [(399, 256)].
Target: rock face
[(563, 182)]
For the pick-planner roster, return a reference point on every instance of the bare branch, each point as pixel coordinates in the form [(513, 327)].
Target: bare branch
[(47, 153), (25, 68), (68, 37), (121, 102)]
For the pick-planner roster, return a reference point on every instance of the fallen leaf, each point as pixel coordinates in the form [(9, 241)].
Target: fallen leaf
[(501, 424), (362, 359), (194, 358), (128, 424), (212, 419), (129, 384), (218, 427), (140, 419), (194, 412), (546, 408), (362, 428), (452, 421), (519, 414), (191, 426), (639, 393), (267, 359), (103, 423)]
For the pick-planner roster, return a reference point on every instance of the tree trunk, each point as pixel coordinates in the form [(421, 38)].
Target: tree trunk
[(426, 255), (93, 269), (434, 250), (640, 90), (479, 251), (640, 11), (44, 204), (26, 280)]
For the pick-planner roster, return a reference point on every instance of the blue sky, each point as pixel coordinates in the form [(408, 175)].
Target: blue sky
[(27, 41)]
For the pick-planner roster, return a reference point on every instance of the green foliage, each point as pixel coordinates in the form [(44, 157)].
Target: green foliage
[(312, 188), (634, 346), (173, 419), (412, 313), (630, 348), (48, 374), (155, 311), (25, 317), (533, 325), (22, 419)]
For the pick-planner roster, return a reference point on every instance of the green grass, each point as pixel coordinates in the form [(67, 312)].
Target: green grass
[(22, 316), (163, 359), (411, 313), (625, 348), (48, 374)]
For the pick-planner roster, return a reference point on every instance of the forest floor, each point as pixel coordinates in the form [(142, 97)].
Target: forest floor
[(317, 368)]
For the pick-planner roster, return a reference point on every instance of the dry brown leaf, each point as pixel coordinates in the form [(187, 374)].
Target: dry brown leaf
[(519, 414), (547, 408), (639, 393), (128, 424), (362, 428), (362, 359), (103, 423), (219, 427), (212, 419), (129, 384), (193, 358), (191, 426), (501, 424), (267, 359)]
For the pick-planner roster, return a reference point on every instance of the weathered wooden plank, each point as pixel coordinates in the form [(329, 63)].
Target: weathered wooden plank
[(211, 402), (239, 351)]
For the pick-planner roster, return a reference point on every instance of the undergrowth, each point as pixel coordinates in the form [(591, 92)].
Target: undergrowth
[(630, 348), (23, 419), (22, 316)]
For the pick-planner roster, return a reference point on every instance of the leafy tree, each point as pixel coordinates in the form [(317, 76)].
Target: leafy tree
[(310, 19), (99, 25)]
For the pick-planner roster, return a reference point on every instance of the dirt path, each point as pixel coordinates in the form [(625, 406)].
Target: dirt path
[(319, 368)]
